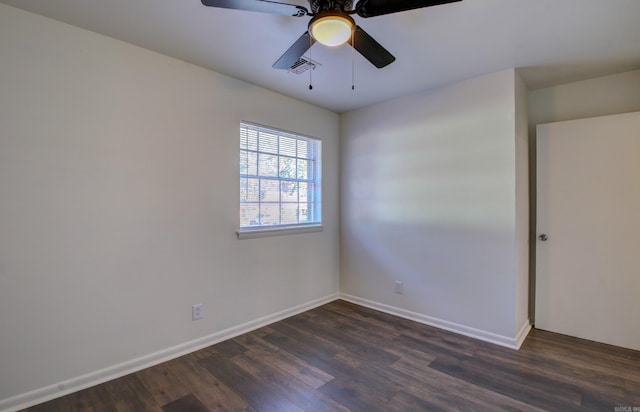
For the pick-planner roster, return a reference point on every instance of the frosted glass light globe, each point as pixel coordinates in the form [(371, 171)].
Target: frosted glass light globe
[(331, 30)]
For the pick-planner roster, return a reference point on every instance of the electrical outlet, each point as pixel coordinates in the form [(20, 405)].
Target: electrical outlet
[(196, 311), (399, 287)]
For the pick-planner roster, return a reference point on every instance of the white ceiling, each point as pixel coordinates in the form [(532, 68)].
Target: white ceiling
[(551, 41)]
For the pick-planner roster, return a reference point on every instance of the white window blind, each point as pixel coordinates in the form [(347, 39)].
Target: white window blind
[(279, 179)]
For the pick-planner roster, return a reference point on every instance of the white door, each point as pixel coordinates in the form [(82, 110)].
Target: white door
[(588, 205)]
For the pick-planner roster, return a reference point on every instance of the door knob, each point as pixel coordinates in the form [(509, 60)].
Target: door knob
[(543, 237)]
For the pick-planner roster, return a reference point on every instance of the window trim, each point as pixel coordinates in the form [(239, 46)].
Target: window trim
[(252, 232), (268, 231)]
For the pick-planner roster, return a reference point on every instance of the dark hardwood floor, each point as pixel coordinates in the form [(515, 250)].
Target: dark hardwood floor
[(344, 357)]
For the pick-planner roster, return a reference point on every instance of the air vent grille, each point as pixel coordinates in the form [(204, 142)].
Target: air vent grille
[(302, 65)]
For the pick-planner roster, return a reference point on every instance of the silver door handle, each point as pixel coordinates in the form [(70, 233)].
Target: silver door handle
[(543, 237)]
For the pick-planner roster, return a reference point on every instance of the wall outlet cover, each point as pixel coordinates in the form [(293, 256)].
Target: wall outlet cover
[(196, 311)]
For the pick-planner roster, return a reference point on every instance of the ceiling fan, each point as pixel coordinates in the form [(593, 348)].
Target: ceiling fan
[(331, 23)]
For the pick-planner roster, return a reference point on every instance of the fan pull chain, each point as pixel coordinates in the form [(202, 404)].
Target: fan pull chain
[(353, 59), (310, 62)]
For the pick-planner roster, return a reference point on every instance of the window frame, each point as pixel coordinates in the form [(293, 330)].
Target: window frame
[(256, 231)]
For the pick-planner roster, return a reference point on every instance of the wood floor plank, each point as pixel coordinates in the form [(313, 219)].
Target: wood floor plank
[(130, 395), (600, 401), (343, 336), (356, 319), (403, 401), (213, 394), (288, 386), (533, 389), (96, 398), (345, 357), (230, 348), (450, 392), (263, 352), (433, 350), (187, 403), (355, 396), (438, 388), (372, 333), (162, 385), (254, 391), (585, 354), (559, 370), (307, 339), (329, 362), (632, 386), (367, 329)]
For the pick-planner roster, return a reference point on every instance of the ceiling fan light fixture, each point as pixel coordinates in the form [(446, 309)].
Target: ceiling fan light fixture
[(331, 29)]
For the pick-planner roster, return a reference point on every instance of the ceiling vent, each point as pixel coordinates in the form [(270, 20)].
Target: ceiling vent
[(302, 65)]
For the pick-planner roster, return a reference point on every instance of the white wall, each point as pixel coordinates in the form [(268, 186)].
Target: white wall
[(428, 198), (119, 205), (522, 202), (618, 93)]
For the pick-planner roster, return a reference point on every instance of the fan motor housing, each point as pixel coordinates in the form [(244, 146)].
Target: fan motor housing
[(320, 6)]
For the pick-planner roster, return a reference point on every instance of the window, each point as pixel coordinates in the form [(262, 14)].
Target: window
[(279, 181)]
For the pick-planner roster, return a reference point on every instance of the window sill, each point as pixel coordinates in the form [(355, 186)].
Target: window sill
[(280, 231)]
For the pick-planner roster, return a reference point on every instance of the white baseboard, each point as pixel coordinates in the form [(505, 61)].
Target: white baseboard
[(47, 393), (501, 340), (523, 333)]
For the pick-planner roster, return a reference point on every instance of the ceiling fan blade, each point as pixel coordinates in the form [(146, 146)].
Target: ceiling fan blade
[(371, 49), (372, 8), (263, 6), (294, 52)]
